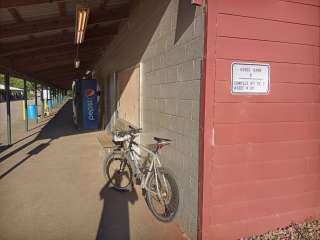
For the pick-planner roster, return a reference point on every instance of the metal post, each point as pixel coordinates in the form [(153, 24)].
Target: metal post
[(49, 99), (7, 89), (42, 102), (52, 98), (25, 96), (36, 100), (55, 97)]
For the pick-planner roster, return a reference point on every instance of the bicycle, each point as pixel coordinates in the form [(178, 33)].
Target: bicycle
[(158, 183)]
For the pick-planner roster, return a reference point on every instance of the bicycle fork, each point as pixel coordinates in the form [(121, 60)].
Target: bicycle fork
[(137, 171), (151, 169)]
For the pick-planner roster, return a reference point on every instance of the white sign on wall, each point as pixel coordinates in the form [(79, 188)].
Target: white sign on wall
[(250, 78)]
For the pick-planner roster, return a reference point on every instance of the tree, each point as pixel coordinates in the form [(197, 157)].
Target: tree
[(1, 79), (18, 83)]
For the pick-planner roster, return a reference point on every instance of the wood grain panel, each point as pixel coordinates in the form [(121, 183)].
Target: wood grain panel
[(253, 28), (310, 2), (261, 133), (264, 170), (265, 152), (254, 50), (279, 92), (266, 112), (227, 194), (272, 9)]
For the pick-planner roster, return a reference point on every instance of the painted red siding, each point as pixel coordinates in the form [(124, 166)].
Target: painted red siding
[(261, 154)]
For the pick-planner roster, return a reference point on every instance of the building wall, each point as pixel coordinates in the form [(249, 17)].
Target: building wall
[(166, 37), (262, 155)]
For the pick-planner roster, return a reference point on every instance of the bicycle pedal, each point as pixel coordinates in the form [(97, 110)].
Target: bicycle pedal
[(138, 181)]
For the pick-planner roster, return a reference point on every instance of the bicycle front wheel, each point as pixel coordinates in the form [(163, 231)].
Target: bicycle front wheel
[(118, 172), (165, 207)]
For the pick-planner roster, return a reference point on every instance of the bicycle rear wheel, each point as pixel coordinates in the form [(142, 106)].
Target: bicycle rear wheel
[(118, 172), (165, 208)]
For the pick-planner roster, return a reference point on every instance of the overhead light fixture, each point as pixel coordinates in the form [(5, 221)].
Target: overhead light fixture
[(82, 15), (76, 63)]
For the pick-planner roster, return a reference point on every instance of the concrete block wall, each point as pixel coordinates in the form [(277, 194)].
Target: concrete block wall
[(167, 38)]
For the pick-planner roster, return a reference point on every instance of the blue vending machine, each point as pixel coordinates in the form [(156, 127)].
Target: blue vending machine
[(85, 104)]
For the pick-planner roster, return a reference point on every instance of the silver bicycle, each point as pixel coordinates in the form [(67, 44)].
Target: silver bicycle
[(126, 164)]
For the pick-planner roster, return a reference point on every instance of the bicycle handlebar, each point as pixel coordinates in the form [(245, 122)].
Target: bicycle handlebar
[(130, 132)]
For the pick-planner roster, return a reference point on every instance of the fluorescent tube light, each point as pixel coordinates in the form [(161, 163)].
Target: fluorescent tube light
[(82, 15)]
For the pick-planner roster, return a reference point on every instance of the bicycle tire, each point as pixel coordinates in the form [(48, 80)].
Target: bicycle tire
[(111, 168), (170, 209)]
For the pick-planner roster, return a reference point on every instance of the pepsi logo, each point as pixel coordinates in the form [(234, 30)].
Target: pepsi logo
[(89, 92)]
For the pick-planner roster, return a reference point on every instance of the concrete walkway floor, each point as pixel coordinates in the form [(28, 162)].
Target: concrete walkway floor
[(52, 187)]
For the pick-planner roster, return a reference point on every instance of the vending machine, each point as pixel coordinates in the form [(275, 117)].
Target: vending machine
[(85, 104)]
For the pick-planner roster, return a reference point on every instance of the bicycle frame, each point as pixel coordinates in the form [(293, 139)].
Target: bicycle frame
[(155, 162), (141, 165)]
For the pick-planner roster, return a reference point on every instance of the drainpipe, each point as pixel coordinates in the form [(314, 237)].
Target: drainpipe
[(7, 91), (205, 93)]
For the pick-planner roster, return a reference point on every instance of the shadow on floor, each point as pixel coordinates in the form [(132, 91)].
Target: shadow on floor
[(3, 147), (60, 125), (114, 221)]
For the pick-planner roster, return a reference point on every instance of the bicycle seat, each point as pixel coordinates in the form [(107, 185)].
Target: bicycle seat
[(162, 140)]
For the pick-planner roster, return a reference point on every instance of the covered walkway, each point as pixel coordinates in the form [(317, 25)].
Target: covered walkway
[(52, 187)]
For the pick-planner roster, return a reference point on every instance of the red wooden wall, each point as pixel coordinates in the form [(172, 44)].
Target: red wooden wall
[(261, 154)]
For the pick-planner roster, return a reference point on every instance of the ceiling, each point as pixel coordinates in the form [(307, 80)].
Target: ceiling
[(37, 37)]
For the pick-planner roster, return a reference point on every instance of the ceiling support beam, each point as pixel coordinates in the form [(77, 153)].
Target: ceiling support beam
[(17, 73), (16, 15), (103, 4), (42, 56), (62, 8), (17, 3), (85, 60), (62, 67), (60, 39), (27, 63), (55, 23)]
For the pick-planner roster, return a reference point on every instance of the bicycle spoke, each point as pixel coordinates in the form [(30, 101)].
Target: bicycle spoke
[(119, 173)]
